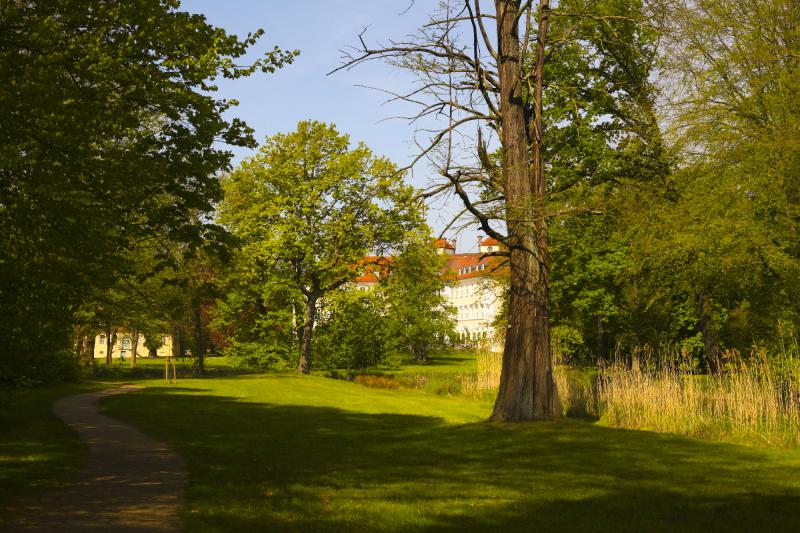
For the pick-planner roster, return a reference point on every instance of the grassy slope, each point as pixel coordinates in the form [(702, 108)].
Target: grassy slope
[(283, 453), (448, 362), (36, 448)]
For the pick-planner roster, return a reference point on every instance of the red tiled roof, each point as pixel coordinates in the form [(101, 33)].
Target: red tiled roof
[(444, 243), (472, 265), (459, 266), (374, 267)]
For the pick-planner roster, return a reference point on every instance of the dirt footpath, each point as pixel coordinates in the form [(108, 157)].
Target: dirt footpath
[(128, 482)]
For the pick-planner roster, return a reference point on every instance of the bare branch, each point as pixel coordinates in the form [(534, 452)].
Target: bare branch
[(477, 17)]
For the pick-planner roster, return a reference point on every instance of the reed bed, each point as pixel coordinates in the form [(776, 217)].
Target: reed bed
[(755, 400)]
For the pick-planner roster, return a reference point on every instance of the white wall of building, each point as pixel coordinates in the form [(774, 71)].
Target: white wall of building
[(123, 346)]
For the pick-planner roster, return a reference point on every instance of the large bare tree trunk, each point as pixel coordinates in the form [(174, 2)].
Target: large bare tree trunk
[(527, 390), (710, 341), (304, 367)]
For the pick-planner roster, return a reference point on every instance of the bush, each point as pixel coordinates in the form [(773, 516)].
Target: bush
[(352, 333), (259, 355)]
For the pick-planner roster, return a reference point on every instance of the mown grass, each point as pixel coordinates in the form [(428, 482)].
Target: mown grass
[(305, 453), (446, 373), (36, 449), (153, 368)]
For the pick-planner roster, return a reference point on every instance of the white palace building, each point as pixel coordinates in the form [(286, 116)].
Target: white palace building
[(474, 290)]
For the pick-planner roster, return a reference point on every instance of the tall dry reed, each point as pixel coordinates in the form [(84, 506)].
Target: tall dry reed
[(754, 400)]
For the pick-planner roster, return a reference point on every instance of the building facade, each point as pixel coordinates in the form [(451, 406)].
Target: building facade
[(123, 346), (475, 291)]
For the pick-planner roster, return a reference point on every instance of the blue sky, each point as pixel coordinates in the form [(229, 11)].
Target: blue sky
[(272, 103)]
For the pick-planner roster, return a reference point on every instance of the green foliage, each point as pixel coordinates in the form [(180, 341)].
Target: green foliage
[(307, 210), (354, 333), (705, 210), (727, 229), (260, 354), (603, 145), (418, 314), (107, 137), (257, 316)]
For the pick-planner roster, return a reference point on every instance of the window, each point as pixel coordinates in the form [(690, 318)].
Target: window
[(126, 342), (102, 339), (163, 339)]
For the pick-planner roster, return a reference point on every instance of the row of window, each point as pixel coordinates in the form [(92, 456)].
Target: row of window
[(466, 290), (474, 314), (126, 341), (470, 269)]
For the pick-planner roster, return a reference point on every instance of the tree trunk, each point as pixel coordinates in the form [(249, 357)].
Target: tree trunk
[(109, 344), (600, 337), (90, 340), (135, 346), (527, 390), (175, 343), (710, 341), (308, 331), (199, 340)]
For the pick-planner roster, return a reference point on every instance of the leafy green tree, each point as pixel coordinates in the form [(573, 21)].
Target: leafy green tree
[(354, 331), (727, 248), (493, 71), (108, 133), (308, 209), (419, 317), (257, 314), (605, 144)]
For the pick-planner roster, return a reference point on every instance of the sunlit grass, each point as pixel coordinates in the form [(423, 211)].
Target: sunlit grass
[(305, 453)]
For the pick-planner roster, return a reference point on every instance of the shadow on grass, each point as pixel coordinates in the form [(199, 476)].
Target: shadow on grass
[(256, 466)]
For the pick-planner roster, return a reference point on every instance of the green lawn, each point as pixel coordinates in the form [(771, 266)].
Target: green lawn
[(157, 363), (446, 362), (291, 453), (36, 449)]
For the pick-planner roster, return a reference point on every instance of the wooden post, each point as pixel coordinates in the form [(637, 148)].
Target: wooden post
[(167, 379)]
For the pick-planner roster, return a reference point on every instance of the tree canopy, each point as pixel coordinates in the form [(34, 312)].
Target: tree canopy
[(109, 135), (309, 209)]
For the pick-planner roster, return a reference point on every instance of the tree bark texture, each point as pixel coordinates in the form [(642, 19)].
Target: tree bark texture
[(134, 346), (710, 341), (600, 337), (527, 390), (304, 367), (199, 338), (110, 339)]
